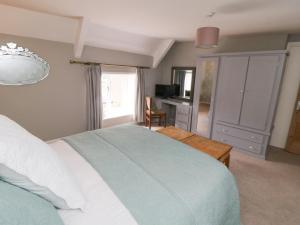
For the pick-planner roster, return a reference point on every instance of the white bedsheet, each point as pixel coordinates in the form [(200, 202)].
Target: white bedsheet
[(103, 207)]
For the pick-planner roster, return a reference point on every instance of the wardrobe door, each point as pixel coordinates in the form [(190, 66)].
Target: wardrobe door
[(261, 78), (230, 88)]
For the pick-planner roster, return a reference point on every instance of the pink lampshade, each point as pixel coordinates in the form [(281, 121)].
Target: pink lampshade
[(207, 37)]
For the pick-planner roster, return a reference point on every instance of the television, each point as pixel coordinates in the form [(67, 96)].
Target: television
[(164, 91)]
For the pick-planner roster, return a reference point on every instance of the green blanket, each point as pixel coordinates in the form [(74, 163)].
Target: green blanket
[(21, 207), (161, 181)]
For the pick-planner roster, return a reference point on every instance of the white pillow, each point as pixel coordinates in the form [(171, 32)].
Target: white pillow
[(28, 162)]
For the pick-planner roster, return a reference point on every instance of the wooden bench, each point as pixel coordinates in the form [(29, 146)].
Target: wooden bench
[(218, 150)]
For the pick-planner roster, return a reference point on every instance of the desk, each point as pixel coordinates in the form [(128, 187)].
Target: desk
[(179, 113)]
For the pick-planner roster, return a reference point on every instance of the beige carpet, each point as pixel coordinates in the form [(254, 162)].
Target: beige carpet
[(269, 190)]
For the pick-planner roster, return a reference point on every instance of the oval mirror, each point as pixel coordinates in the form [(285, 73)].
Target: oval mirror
[(19, 66)]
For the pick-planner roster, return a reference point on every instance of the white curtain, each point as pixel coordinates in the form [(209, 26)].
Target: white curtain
[(140, 96), (94, 98)]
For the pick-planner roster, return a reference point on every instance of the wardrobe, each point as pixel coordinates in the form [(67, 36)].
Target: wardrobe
[(243, 97)]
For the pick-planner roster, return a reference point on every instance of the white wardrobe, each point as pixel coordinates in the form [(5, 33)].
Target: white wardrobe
[(241, 102)]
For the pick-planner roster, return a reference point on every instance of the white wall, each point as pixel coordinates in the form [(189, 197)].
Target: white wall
[(288, 97)]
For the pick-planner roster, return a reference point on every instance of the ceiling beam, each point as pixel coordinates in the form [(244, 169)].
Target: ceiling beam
[(81, 37), (161, 51)]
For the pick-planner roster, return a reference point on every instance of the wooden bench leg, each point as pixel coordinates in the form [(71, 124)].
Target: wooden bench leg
[(227, 161)]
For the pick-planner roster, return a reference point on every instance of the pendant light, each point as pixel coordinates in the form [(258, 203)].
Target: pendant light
[(207, 37)]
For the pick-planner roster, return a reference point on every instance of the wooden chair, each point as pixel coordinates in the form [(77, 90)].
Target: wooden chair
[(152, 113)]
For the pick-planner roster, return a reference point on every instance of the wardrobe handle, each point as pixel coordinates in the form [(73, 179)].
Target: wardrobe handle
[(251, 147)]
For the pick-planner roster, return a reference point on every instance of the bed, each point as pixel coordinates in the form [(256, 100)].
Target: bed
[(148, 179), (132, 176)]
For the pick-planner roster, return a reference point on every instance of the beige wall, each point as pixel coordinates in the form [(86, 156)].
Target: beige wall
[(288, 97), (294, 38), (56, 106), (153, 76), (185, 54)]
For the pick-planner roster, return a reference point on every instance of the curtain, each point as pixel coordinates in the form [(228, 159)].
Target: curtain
[(94, 98), (140, 96)]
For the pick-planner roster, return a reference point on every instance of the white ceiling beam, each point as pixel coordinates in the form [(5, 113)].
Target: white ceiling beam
[(161, 51), (81, 37), (27, 23)]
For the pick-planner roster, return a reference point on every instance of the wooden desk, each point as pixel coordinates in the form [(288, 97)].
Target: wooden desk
[(215, 149), (181, 116)]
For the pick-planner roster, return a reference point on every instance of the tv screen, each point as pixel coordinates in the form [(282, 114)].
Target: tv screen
[(164, 91)]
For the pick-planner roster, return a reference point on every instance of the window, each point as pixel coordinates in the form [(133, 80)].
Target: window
[(188, 83), (118, 92)]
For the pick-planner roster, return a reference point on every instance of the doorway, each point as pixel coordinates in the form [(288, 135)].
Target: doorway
[(207, 68), (283, 132), (293, 142)]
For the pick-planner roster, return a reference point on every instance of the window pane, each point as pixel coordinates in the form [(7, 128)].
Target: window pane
[(118, 94)]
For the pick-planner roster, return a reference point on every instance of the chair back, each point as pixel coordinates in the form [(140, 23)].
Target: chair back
[(148, 103)]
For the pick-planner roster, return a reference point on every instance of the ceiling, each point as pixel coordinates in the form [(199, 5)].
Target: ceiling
[(149, 27)]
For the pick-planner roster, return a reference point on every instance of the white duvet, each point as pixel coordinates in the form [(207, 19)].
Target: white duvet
[(102, 207)]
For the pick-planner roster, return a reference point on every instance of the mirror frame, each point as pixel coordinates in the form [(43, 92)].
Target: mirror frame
[(10, 54), (193, 80)]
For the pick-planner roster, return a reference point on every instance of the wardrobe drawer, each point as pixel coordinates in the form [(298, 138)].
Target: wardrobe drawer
[(180, 125), (238, 143), (253, 137), (182, 118)]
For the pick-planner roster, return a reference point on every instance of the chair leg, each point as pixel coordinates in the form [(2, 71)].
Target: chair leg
[(159, 121), (165, 120), (150, 123)]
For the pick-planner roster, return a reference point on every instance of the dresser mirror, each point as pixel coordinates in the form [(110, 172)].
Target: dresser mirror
[(19, 66), (183, 81)]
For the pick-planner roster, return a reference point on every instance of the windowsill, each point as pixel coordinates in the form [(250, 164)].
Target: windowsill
[(109, 122), (118, 116)]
